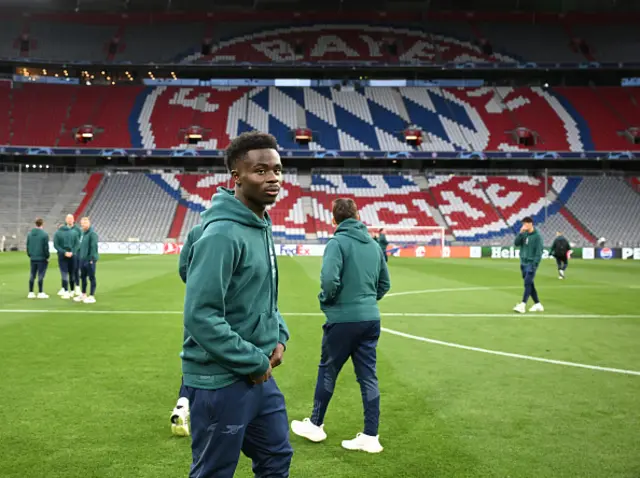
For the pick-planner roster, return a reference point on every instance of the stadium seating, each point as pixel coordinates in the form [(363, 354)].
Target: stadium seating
[(382, 200), (472, 210), (367, 119), (609, 208), (37, 194), (444, 41), (131, 207)]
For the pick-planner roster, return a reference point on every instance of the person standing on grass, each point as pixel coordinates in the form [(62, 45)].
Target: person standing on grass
[(353, 279), (88, 261), (180, 414), (74, 272), (38, 253), (234, 333), (560, 250), (383, 243), (530, 242), (66, 244)]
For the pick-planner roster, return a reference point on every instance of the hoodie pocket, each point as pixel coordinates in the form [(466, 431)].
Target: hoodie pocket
[(265, 332)]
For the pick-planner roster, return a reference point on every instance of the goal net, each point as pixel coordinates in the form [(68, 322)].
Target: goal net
[(413, 241)]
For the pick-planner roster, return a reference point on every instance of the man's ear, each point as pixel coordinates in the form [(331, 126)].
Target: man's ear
[(333, 221), (358, 216), (236, 176)]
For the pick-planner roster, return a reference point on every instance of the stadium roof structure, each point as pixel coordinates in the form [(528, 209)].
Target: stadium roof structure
[(556, 6)]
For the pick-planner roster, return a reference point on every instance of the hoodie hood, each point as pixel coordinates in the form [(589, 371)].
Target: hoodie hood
[(225, 207), (354, 229), (65, 228)]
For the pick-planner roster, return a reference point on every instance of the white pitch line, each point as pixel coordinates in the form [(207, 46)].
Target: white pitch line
[(481, 288), (320, 314), (510, 355), (384, 329)]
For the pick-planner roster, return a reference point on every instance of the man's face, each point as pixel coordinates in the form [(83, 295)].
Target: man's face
[(259, 176), (69, 220), (85, 224), (528, 226)]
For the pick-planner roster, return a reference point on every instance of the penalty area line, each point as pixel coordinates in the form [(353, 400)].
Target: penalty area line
[(508, 354)]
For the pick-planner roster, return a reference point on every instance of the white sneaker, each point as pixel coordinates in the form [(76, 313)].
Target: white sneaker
[(181, 418), (66, 296), (31, 295), (90, 300), (62, 291), (520, 308), (560, 277), (561, 274), (79, 298), (42, 295), (536, 308), (363, 442), (308, 430), (77, 291)]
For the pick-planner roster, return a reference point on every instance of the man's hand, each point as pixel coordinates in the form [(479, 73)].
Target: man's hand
[(256, 380), (523, 229), (68, 254), (276, 356)]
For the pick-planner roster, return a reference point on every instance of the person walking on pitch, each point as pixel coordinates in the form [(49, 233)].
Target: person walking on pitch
[(38, 253), (560, 250), (530, 242), (354, 277), (88, 261), (180, 414)]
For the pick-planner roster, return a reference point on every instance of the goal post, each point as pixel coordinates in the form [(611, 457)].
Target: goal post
[(413, 237)]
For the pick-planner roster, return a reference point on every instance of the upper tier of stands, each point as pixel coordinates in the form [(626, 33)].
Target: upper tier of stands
[(453, 119), (441, 41)]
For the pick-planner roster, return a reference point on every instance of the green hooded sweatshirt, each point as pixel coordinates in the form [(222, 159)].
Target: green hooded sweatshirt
[(354, 275), (78, 233), (383, 243), (65, 240), (530, 247), (89, 246), (185, 253), (38, 245), (231, 320)]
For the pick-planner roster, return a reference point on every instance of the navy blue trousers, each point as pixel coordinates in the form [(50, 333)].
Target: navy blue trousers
[(67, 271), (562, 263), (75, 273), (88, 271), (241, 417), (340, 341), (529, 274), (38, 269)]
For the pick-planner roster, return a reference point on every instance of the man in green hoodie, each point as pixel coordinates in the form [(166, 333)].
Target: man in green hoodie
[(530, 242), (180, 414), (66, 243), (38, 252), (353, 279), (88, 261), (74, 273), (381, 239), (234, 334)]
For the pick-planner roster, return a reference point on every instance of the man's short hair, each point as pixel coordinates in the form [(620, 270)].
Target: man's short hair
[(344, 208), (39, 222), (246, 142), (528, 220)]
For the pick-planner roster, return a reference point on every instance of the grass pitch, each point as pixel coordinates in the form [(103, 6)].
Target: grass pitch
[(87, 390)]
